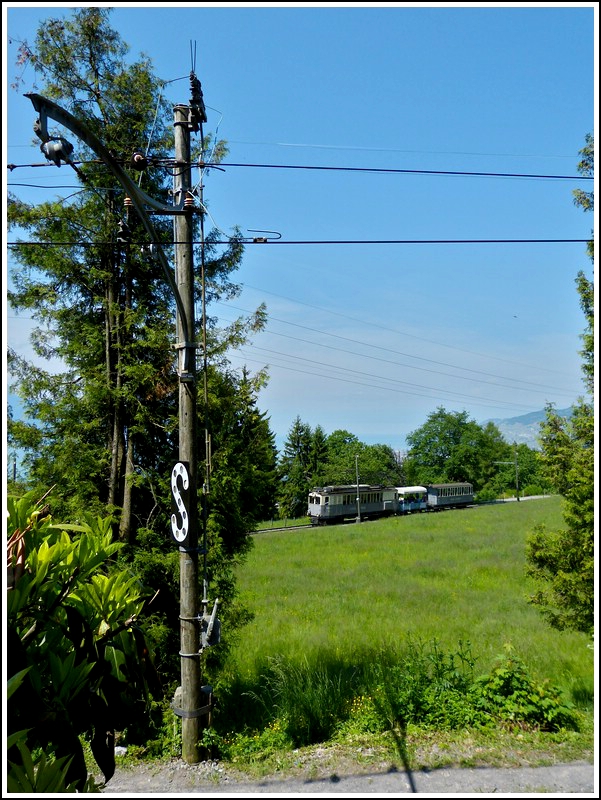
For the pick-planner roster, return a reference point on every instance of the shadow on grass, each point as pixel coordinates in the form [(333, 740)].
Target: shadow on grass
[(399, 733)]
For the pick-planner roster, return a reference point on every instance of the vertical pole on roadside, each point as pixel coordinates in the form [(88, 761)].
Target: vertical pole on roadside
[(188, 559), (358, 518)]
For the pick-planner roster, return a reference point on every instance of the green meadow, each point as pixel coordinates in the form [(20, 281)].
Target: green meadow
[(452, 577)]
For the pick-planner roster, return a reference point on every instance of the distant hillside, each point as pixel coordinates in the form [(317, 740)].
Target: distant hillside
[(525, 429)]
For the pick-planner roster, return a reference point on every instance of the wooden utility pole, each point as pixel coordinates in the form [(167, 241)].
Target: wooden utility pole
[(190, 652), (186, 119)]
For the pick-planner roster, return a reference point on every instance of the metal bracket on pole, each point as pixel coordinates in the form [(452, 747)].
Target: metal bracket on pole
[(46, 108), (183, 370), (198, 712)]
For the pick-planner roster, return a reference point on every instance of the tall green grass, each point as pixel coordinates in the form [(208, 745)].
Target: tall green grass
[(451, 577)]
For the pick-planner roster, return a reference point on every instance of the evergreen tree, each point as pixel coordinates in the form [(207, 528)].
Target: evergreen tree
[(295, 470), (103, 429), (318, 456), (563, 562)]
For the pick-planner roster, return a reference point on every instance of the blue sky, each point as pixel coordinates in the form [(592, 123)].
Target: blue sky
[(372, 338)]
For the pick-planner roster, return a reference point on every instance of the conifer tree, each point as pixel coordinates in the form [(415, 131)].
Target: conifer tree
[(563, 562), (103, 428)]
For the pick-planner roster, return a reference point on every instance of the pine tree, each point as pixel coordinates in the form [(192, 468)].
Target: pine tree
[(563, 562), (104, 429), (295, 470)]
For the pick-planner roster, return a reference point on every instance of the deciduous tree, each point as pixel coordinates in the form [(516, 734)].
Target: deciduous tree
[(450, 446)]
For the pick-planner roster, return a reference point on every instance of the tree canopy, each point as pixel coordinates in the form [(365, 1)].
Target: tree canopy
[(450, 446)]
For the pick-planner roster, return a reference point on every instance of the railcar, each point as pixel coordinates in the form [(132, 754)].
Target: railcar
[(449, 495), (331, 504), (412, 499)]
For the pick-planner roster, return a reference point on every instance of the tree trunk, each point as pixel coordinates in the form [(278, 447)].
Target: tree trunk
[(125, 526)]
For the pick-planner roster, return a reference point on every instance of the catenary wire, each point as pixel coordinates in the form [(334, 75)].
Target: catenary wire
[(325, 168), (272, 242)]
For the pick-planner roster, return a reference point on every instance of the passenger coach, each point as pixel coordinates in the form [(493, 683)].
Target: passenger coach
[(337, 503), (449, 495), (412, 498)]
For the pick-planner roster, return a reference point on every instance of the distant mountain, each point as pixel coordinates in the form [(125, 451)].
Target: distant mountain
[(525, 429)]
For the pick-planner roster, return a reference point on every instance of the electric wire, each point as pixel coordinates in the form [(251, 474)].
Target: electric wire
[(400, 150), (398, 381), (437, 396), (325, 168), (537, 386), (392, 171), (397, 332), (272, 242)]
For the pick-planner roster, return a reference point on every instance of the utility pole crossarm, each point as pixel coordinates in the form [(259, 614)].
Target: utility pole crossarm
[(46, 108)]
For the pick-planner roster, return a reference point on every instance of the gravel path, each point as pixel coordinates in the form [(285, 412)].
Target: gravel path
[(211, 780)]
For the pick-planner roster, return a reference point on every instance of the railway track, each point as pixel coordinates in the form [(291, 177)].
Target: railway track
[(285, 528), (354, 521)]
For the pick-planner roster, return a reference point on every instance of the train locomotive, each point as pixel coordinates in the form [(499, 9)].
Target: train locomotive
[(334, 504)]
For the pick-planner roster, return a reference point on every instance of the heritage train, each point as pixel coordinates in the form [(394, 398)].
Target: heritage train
[(333, 504)]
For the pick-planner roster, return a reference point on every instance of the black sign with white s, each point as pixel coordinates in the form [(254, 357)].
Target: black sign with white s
[(180, 495)]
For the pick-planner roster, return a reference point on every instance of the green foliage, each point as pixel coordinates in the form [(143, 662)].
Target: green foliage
[(451, 447), (534, 490), (487, 495), (509, 694), (562, 562), (76, 659), (586, 200), (103, 431), (251, 747), (41, 775), (308, 697), (310, 458), (295, 470), (426, 686), (311, 700), (346, 455)]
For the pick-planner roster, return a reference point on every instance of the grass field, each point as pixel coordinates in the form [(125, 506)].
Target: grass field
[(455, 576)]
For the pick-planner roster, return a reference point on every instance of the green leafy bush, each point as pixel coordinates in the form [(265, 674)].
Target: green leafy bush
[(315, 700), (253, 746), (510, 694), (82, 663)]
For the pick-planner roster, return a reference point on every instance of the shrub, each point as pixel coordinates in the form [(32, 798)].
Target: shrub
[(72, 637), (509, 694)]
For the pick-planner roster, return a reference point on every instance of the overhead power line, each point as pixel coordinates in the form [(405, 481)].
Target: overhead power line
[(371, 323), (316, 241), (171, 164), (529, 385), (436, 394), (386, 170)]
